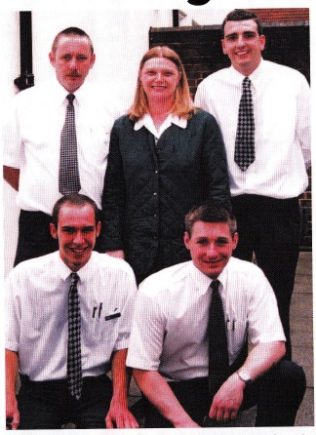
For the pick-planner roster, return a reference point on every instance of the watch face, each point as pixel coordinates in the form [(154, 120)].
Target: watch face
[(244, 376)]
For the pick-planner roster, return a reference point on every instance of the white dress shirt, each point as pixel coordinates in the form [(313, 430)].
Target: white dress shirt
[(281, 98), (31, 141), (37, 319), (169, 330)]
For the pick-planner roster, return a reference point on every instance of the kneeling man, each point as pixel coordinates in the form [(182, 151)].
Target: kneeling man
[(191, 328), (68, 323)]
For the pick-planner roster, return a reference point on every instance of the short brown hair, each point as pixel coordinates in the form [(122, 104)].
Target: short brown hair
[(183, 104), (71, 31), (241, 15), (209, 212), (76, 199)]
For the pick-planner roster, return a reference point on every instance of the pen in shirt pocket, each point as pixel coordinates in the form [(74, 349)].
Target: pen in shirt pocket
[(230, 324)]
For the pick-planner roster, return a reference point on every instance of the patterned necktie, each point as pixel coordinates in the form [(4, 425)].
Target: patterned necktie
[(218, 352), (245, 137), (69, 181), (74, 371)]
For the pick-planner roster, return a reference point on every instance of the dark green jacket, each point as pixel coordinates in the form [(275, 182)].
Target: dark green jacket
[(149, 188)]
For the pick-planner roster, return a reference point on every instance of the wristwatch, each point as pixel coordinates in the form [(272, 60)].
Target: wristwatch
[(244, 376)]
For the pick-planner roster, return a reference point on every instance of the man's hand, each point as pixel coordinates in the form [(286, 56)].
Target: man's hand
[(119, 253), (12, 412), (120, 417), (228, 399)]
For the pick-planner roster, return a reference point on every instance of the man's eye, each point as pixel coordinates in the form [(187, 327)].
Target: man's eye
[(221, 242), (232, 37), (82, 57), (249, 35), (87, 230), (68, 230)]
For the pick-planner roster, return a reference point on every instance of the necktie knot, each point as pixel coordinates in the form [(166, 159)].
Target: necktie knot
[(215, 285), (74, 278), (70, 98), (246, 83)]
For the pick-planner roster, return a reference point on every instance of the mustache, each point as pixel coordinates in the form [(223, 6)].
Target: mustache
[(74, 74)]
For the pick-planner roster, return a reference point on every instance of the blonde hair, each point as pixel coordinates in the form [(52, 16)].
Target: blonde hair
[(183, 104)]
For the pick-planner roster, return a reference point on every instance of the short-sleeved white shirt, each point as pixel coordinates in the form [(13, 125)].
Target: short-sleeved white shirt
[(31, 141), (37, 320), (169, 330)]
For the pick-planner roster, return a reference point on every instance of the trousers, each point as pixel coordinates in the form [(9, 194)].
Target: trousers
[(271, 229), (277, 394), (48, 404)]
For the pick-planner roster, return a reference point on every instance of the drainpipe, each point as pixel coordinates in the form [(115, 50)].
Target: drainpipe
[(26, 78), (175, 17)]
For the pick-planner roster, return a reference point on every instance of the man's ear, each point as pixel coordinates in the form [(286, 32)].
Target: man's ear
[(223, 46), (99, 226), (53, 230), (186, 239), (235, 240), (51, 56)]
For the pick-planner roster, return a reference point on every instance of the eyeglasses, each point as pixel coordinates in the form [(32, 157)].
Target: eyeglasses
[(248, 35)]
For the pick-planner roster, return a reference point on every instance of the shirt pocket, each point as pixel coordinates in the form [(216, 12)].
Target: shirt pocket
[(237, 331)]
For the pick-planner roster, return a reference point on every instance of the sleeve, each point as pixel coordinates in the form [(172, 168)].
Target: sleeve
[(264, 324), (13, 313), (113, 197), (129, 289), (303, 128), (147, 334), (11, 140), (214, 164), (199, 99)]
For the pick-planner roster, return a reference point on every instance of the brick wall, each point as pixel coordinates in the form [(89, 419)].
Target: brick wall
[(287, 43)]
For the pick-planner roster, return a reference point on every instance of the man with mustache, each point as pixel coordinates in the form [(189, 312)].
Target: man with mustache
[(33, 141)]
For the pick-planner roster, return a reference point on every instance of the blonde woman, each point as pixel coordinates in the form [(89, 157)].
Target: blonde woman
[(165, 156)]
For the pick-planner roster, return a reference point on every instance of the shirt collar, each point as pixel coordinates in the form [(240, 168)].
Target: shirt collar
[(60, 93), (147, 122), (203, 281), (236, 77), (64, 271)]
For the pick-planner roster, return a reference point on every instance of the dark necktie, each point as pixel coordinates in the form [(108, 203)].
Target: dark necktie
[(74, 371), (245, 137), (218, 352), (69, 181)]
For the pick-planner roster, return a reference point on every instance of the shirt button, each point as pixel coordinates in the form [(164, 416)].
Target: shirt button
[(155, 215), (156, 172), (155, 193)]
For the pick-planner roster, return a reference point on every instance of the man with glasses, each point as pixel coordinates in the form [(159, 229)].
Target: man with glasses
[(263, 111)]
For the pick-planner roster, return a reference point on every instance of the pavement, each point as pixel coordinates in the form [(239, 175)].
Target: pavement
[(302, 344)]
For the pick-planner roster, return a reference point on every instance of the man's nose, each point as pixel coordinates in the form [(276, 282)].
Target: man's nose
[(78, 237), (240, 40), (73, 63), (211, 250)]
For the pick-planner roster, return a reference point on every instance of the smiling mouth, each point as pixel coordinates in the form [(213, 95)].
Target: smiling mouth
[(78, 251)]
